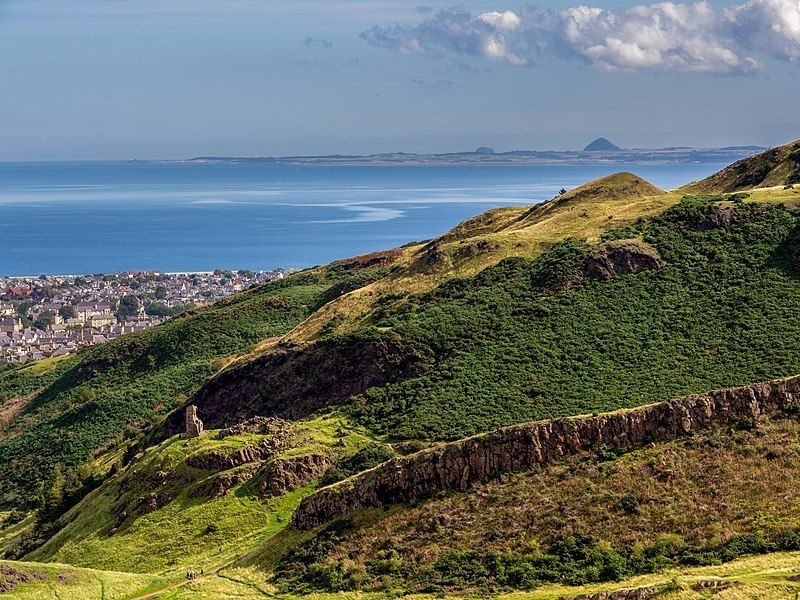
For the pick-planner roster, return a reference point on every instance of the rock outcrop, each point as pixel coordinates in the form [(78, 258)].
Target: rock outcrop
[(622, 258), (292, 382), (259, 425), (642, 593), (194, 426), (218, 485), (457, 465), (266, 449), (284, 475)]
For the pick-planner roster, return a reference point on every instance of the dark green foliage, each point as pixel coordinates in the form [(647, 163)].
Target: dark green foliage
[(44, 320), (794, 176), (369, 456), (574, 559), (67, 311), (509, 349), (92, 399)]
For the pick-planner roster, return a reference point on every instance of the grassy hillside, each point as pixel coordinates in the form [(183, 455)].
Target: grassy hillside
[(765, 577), (777, 167), (62, 412), (555, 336), (173, 509), (39, 581), (597, 517), (586, 212)]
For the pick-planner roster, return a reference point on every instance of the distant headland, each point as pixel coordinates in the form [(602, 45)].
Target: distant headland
[(599, 151)]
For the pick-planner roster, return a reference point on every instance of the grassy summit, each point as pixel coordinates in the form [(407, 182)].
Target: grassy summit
[(777, 167)]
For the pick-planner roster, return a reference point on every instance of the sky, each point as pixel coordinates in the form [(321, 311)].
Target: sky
[(115, 79)]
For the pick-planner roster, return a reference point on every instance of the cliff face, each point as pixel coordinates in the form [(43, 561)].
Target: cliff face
[(292, 382), (457, 465)]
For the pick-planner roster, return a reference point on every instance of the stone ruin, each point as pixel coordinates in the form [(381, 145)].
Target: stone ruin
[(194, 426)]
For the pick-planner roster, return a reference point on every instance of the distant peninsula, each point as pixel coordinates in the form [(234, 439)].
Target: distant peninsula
[(600, 151)]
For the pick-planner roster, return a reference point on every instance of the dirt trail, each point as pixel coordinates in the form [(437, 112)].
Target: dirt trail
[(180, 584)]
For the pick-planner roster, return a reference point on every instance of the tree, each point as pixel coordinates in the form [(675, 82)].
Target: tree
[(45, 319), (128, 306), (24, 307), (161, 292), (67, 312), (52, 495)]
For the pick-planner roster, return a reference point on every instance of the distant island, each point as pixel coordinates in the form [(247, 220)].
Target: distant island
[(599, 151), (601, 144)]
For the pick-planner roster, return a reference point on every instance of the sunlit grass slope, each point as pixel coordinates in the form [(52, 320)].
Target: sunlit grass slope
[(61, 411), (39, 581), (151, 519), (598, 517)]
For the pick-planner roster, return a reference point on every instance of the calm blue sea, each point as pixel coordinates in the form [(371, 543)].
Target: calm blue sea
[(94, 217)]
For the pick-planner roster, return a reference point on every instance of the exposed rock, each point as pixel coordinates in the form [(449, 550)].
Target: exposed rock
[(264, 450), (622, 258), (194, 426), (715, 585), (293, 382), (284, 475), (221, 461), (457, 465), (11, 577), (642, 593), (218, 485), (432, 258), (259, 425)]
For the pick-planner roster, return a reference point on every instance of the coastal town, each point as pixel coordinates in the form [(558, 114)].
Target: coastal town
[(55, 315)]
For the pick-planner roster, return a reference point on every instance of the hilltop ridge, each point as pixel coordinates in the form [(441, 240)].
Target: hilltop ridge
[(775, 167)]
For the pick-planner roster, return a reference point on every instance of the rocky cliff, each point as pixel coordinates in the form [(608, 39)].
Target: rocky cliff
[(291, 382), (457, 465)]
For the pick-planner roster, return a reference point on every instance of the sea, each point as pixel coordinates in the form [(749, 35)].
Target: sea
[(107, 217)]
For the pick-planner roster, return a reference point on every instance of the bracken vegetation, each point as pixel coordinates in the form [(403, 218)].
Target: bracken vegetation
[(511, 347), (597, 517)]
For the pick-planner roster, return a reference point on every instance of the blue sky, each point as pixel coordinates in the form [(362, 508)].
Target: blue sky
[(107, 79)]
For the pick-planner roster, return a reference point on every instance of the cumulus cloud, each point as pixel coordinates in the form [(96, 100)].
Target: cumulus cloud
[(666, 36)]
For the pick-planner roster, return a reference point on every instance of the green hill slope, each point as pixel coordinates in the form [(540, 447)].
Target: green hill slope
[(776, 167), (707, 298), (197, 503), (39, 581), (599, 516), (62, 413)]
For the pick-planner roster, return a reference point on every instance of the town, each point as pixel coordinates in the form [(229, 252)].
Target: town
[(55, 315)]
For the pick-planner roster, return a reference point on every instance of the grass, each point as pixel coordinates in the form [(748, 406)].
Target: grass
[(776, 167), (185, 532), (508, 349), (706, 500), (487, 239), (756, 578), (109, 393), (58, 581)]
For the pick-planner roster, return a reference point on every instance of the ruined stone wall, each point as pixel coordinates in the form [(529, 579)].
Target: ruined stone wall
[(457, 465)]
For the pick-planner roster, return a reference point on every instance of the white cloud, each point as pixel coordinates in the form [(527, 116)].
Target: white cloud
[(666, 36)]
